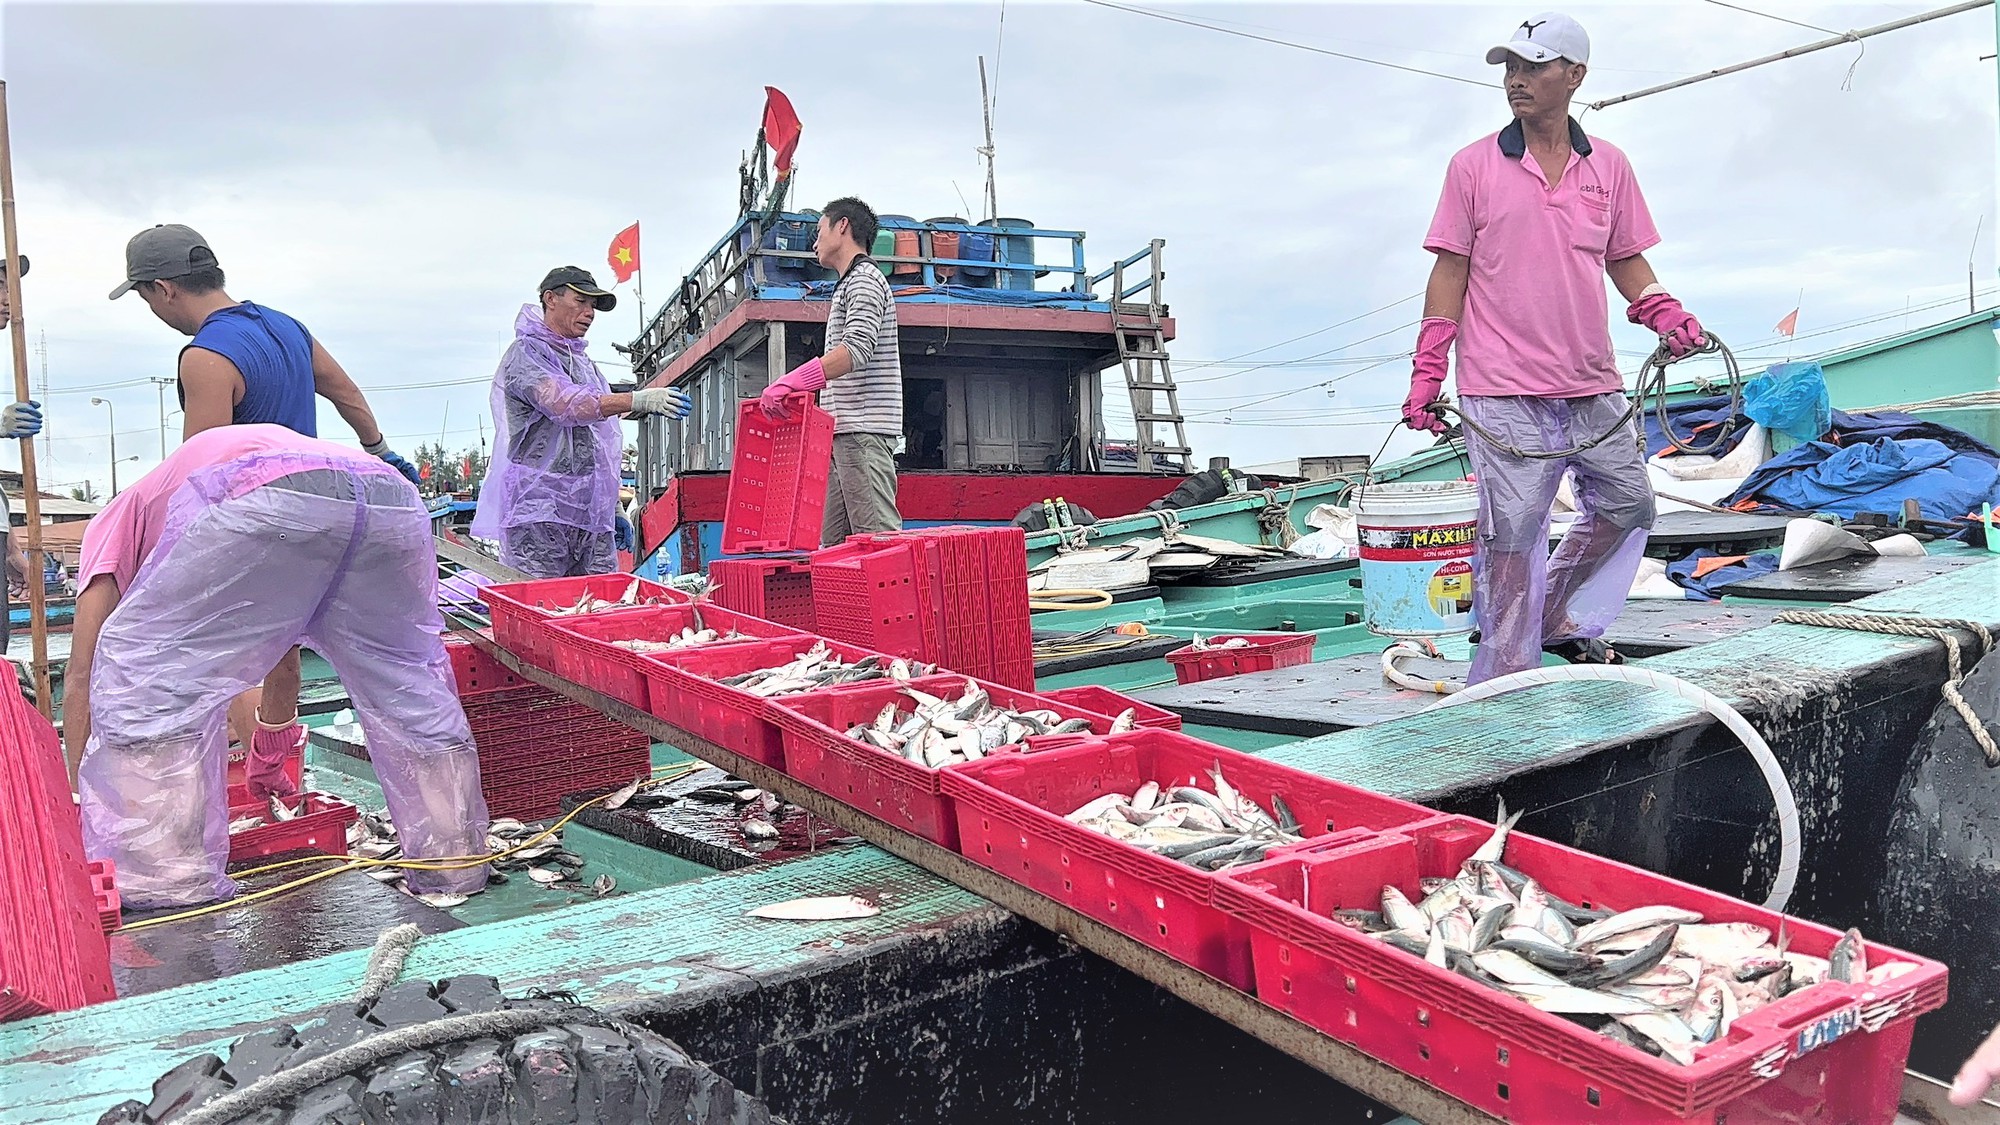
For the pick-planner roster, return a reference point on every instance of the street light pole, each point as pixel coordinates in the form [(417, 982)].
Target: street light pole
[(161, 386), (113, 413)]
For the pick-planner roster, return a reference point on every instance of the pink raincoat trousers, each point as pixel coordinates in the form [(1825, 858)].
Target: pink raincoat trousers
[(261, 553)]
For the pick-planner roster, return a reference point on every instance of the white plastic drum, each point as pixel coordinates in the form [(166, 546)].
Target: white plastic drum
[(1417, 541)]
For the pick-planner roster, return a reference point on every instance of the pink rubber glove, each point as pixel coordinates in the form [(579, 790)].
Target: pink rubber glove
[(277, 754), (1675, 326), (805, 378), (1427, 371)]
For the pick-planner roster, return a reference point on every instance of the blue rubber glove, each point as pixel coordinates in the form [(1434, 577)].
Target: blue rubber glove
[(394, 460), (21, 419), (623, 535)]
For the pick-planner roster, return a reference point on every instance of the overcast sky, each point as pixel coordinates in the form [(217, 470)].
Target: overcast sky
[(399, 176)]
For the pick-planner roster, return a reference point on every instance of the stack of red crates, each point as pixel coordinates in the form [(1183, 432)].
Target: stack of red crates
[(953, 596), (53, 953), (774, 587), (535, 746)]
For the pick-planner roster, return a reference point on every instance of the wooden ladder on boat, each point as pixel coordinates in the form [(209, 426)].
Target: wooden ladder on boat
[(1142, 356)]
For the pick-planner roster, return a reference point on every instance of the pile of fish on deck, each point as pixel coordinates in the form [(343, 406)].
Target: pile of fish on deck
[(938, 732), (517, 848), (818, 668), (1656, 978), (1141, 562), (1211, 831)]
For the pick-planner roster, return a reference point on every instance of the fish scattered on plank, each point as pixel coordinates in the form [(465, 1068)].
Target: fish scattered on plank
[(822, 909)]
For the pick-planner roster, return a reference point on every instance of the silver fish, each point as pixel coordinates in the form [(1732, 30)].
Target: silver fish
[(1848, 963), (442, 901), (1495, 847), (1643, 917), (1512, 968), (757, 829), (1565, 1000), (624, 793), (1400, 913)]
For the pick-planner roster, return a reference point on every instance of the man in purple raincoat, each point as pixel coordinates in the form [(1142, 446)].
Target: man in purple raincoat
[(551, 493)]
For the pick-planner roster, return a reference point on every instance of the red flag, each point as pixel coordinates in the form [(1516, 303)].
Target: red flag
[(424, 471), (1789, 325), (468, 468), (624, 255), (781, 128)]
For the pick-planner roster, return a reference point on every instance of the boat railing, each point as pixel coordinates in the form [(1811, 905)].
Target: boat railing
[(740, 267)]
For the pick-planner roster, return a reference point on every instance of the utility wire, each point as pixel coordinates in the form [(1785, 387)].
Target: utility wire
[(1170, 18), (1293, 340), (1770, 16)]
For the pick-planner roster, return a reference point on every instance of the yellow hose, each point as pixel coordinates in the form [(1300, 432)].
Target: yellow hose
[(348, 863), (1098, 599)]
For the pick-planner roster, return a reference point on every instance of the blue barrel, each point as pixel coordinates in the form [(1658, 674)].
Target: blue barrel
[(790, 234), (975, 244), (1014, 250)]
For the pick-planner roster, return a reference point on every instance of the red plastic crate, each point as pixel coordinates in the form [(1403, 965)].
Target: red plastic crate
[(104, 881), (476, 672), (883, 595), (1105, 701), (522, 609), (1832, 1053), (883, 785), (683, 692), (580, 651), (322, 827), (1265, 652), (775, 589), (1010, 818), (53, 952), (777, 478)]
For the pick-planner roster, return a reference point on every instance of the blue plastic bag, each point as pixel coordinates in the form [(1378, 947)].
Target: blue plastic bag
[(1791, 399)]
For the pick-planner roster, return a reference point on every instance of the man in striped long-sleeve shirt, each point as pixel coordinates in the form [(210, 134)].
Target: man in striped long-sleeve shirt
[(860, 378)]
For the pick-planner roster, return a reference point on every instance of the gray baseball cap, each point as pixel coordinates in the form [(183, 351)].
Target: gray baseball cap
[(163, 252)]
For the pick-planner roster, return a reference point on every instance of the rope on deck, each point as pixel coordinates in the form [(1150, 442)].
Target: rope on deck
[(1945, 629), (392, 949)]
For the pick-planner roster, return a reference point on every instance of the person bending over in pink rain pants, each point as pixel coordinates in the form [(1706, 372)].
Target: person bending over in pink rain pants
[(245, 541)]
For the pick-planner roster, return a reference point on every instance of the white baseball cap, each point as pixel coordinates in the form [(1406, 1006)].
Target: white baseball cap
[(1550, 35)]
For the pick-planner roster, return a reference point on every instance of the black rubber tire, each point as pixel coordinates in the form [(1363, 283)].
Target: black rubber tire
[(587, 1069)]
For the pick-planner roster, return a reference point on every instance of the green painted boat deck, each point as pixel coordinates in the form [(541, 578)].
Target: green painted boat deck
[(634, 867), (1437, 752), (624, 949)]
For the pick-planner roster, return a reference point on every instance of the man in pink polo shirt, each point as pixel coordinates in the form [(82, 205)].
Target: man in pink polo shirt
[(1531, 221), (245, 541)]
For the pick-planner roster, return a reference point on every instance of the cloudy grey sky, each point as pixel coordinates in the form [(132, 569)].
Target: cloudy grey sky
[(399, 176)]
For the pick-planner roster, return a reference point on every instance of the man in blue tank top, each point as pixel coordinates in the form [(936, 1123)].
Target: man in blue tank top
[(246, 364)]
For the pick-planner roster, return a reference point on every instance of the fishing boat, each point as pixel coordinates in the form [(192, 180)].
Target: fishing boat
[(961, 995), (925, 1003)]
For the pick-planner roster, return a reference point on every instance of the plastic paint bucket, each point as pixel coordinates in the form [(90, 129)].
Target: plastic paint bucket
[(1417, 540)]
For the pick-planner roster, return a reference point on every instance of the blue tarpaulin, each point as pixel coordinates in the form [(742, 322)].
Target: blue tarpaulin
[(1694, 422), (1708, 587), (1876, 476)]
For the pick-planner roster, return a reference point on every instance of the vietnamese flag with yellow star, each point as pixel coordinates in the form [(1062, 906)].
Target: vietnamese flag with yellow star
[(624, 255)]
